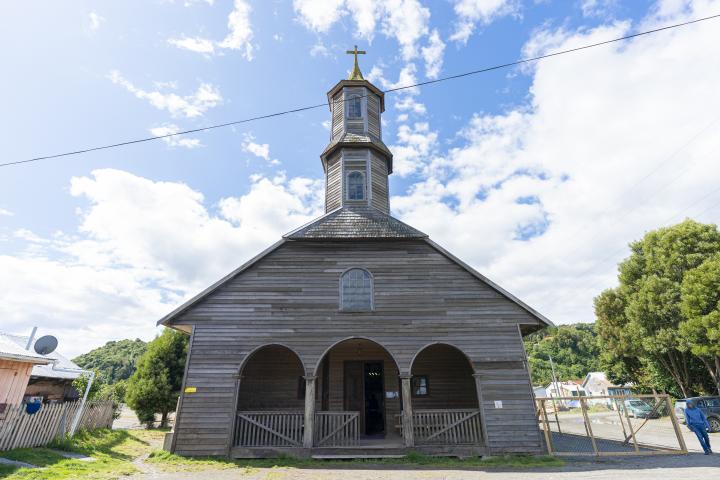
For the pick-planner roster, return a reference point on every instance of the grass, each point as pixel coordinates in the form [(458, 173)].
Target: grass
[(169, 462), (115, 450)]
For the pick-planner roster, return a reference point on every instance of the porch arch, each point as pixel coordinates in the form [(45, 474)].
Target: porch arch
[(271, 378), (442, 377), (316, 368)]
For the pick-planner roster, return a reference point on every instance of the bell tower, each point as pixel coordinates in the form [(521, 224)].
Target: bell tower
[(356, 161)]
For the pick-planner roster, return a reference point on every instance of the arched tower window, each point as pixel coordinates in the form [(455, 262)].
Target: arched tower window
[(356, 185), (356, 290), (355, 107)]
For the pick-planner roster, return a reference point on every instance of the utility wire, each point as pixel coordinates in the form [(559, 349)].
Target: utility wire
[(391, 90)]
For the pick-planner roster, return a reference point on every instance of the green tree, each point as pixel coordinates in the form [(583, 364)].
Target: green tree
[(81, 382), (155, 385), (639, 321), (115, 360), (701, 308), (573, 348)]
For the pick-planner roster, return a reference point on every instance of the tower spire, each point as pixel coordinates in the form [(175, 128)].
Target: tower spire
[(356, 73)]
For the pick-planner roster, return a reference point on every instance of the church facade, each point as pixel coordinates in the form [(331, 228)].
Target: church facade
[(355, 334)]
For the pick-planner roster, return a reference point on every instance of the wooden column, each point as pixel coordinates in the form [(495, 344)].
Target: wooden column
[(478, 388), (407, 413), (236, 396), (309, 431)]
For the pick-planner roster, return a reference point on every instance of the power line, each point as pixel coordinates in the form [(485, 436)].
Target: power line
[(391, 90)]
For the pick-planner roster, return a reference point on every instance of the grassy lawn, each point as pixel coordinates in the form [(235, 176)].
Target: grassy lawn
[(115, 451)]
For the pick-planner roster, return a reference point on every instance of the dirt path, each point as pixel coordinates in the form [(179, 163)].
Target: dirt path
[(640, 468)]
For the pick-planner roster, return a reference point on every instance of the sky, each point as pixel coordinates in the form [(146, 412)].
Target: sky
[(538, 176)]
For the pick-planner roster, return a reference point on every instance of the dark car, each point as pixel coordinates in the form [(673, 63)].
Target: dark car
[(639, 408), (709, 405)]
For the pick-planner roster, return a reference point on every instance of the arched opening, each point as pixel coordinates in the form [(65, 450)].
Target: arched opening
[(272, 379), (442, 378), (359, 378), (444, 398)]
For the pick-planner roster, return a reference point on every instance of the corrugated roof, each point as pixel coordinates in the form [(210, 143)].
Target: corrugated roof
[(57, 364), (10, 350), (357, 222)]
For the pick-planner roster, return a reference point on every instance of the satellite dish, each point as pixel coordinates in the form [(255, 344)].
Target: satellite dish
[(46, 344)]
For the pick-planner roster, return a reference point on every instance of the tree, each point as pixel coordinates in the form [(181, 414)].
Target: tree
[(115, 360), (574, 350), (639, 321), (81, 382), (701, 308), (155, 385)]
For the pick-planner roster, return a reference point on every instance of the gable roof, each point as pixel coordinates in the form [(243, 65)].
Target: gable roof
[(56, 365), (357, 222)]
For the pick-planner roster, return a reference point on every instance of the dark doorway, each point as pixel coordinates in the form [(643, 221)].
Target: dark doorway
[(364, 392)]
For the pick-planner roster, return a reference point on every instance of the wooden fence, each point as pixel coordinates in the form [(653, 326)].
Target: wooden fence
[(447, 427), (269, 429), (336, 429), (18, 429)]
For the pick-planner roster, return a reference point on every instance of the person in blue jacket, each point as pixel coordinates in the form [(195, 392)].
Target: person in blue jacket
[(698, 423)]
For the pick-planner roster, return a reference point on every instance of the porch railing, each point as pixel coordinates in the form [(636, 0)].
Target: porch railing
[(447, 427), (336, 429), (269, 429)]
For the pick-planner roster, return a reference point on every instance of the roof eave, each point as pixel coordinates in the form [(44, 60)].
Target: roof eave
[(356, 83)]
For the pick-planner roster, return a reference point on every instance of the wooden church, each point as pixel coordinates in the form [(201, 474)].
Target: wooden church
[(355, 334)]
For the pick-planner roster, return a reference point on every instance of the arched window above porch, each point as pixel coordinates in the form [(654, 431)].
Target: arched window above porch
[(356, 291)]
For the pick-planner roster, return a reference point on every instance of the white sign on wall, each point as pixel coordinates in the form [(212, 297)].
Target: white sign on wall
[(498, 403)]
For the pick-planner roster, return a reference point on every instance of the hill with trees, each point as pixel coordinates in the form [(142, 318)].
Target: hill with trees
[(115, 360)]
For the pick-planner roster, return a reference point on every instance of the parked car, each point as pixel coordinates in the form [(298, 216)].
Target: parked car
[(640, 409), (709, 405)]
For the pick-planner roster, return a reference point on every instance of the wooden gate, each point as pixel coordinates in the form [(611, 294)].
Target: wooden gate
[(269, 429), (336, 429), (447, 427)]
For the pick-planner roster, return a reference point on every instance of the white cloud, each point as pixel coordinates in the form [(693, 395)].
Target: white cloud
[(96, 21), (175, 141), (127, 265), (205, 97), (407, 21), (433, 55), (261, 150), (414, 145), (319, 49), (239, 37), (471, 12), (545, 197), (319, 15), (5, 213), (597, 8), (196, 44)]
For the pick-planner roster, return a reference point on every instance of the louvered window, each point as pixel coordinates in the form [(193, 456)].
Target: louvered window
[(356, 186), (355, 107), (356, 290)]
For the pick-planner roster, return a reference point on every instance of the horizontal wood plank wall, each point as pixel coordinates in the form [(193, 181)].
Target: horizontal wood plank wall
[(373, 110), (512, 428), (333, 182), (368, 351), (449, 377), (338, 114), (291, 297), (379, 183), (270, 381)]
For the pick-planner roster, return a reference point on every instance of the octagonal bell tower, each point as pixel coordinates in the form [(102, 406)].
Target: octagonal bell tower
[(356, 161)]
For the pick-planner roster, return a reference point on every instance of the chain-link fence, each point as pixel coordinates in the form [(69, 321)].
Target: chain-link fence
[(610, 425)]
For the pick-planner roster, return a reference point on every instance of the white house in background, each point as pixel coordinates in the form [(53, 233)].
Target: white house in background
[(597, 384), (569, 388), (539, 391)]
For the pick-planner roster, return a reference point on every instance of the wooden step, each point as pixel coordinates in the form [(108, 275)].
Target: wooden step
[(354, 456)]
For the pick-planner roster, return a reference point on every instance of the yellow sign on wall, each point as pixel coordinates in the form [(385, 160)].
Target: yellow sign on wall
[(190, 389)]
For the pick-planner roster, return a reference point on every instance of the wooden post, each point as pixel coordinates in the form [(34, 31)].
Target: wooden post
[(676, 425), (407, 412), (627, 416), (478, 388), (588, 427), (548, 436), (231, 438), (309, 431)]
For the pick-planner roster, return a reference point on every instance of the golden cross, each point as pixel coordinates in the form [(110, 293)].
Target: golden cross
[(356, 74)]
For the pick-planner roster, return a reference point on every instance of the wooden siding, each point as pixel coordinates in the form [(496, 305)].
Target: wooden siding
[(14, 377), (373, 113), (270, 381), (379, 181), (338, 115), (291, 297), (450, 379), (333, 183)]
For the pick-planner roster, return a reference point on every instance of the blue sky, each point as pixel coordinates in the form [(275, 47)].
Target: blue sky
[(537, 176)]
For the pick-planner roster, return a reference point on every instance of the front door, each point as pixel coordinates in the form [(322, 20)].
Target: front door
[(364, 392)]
